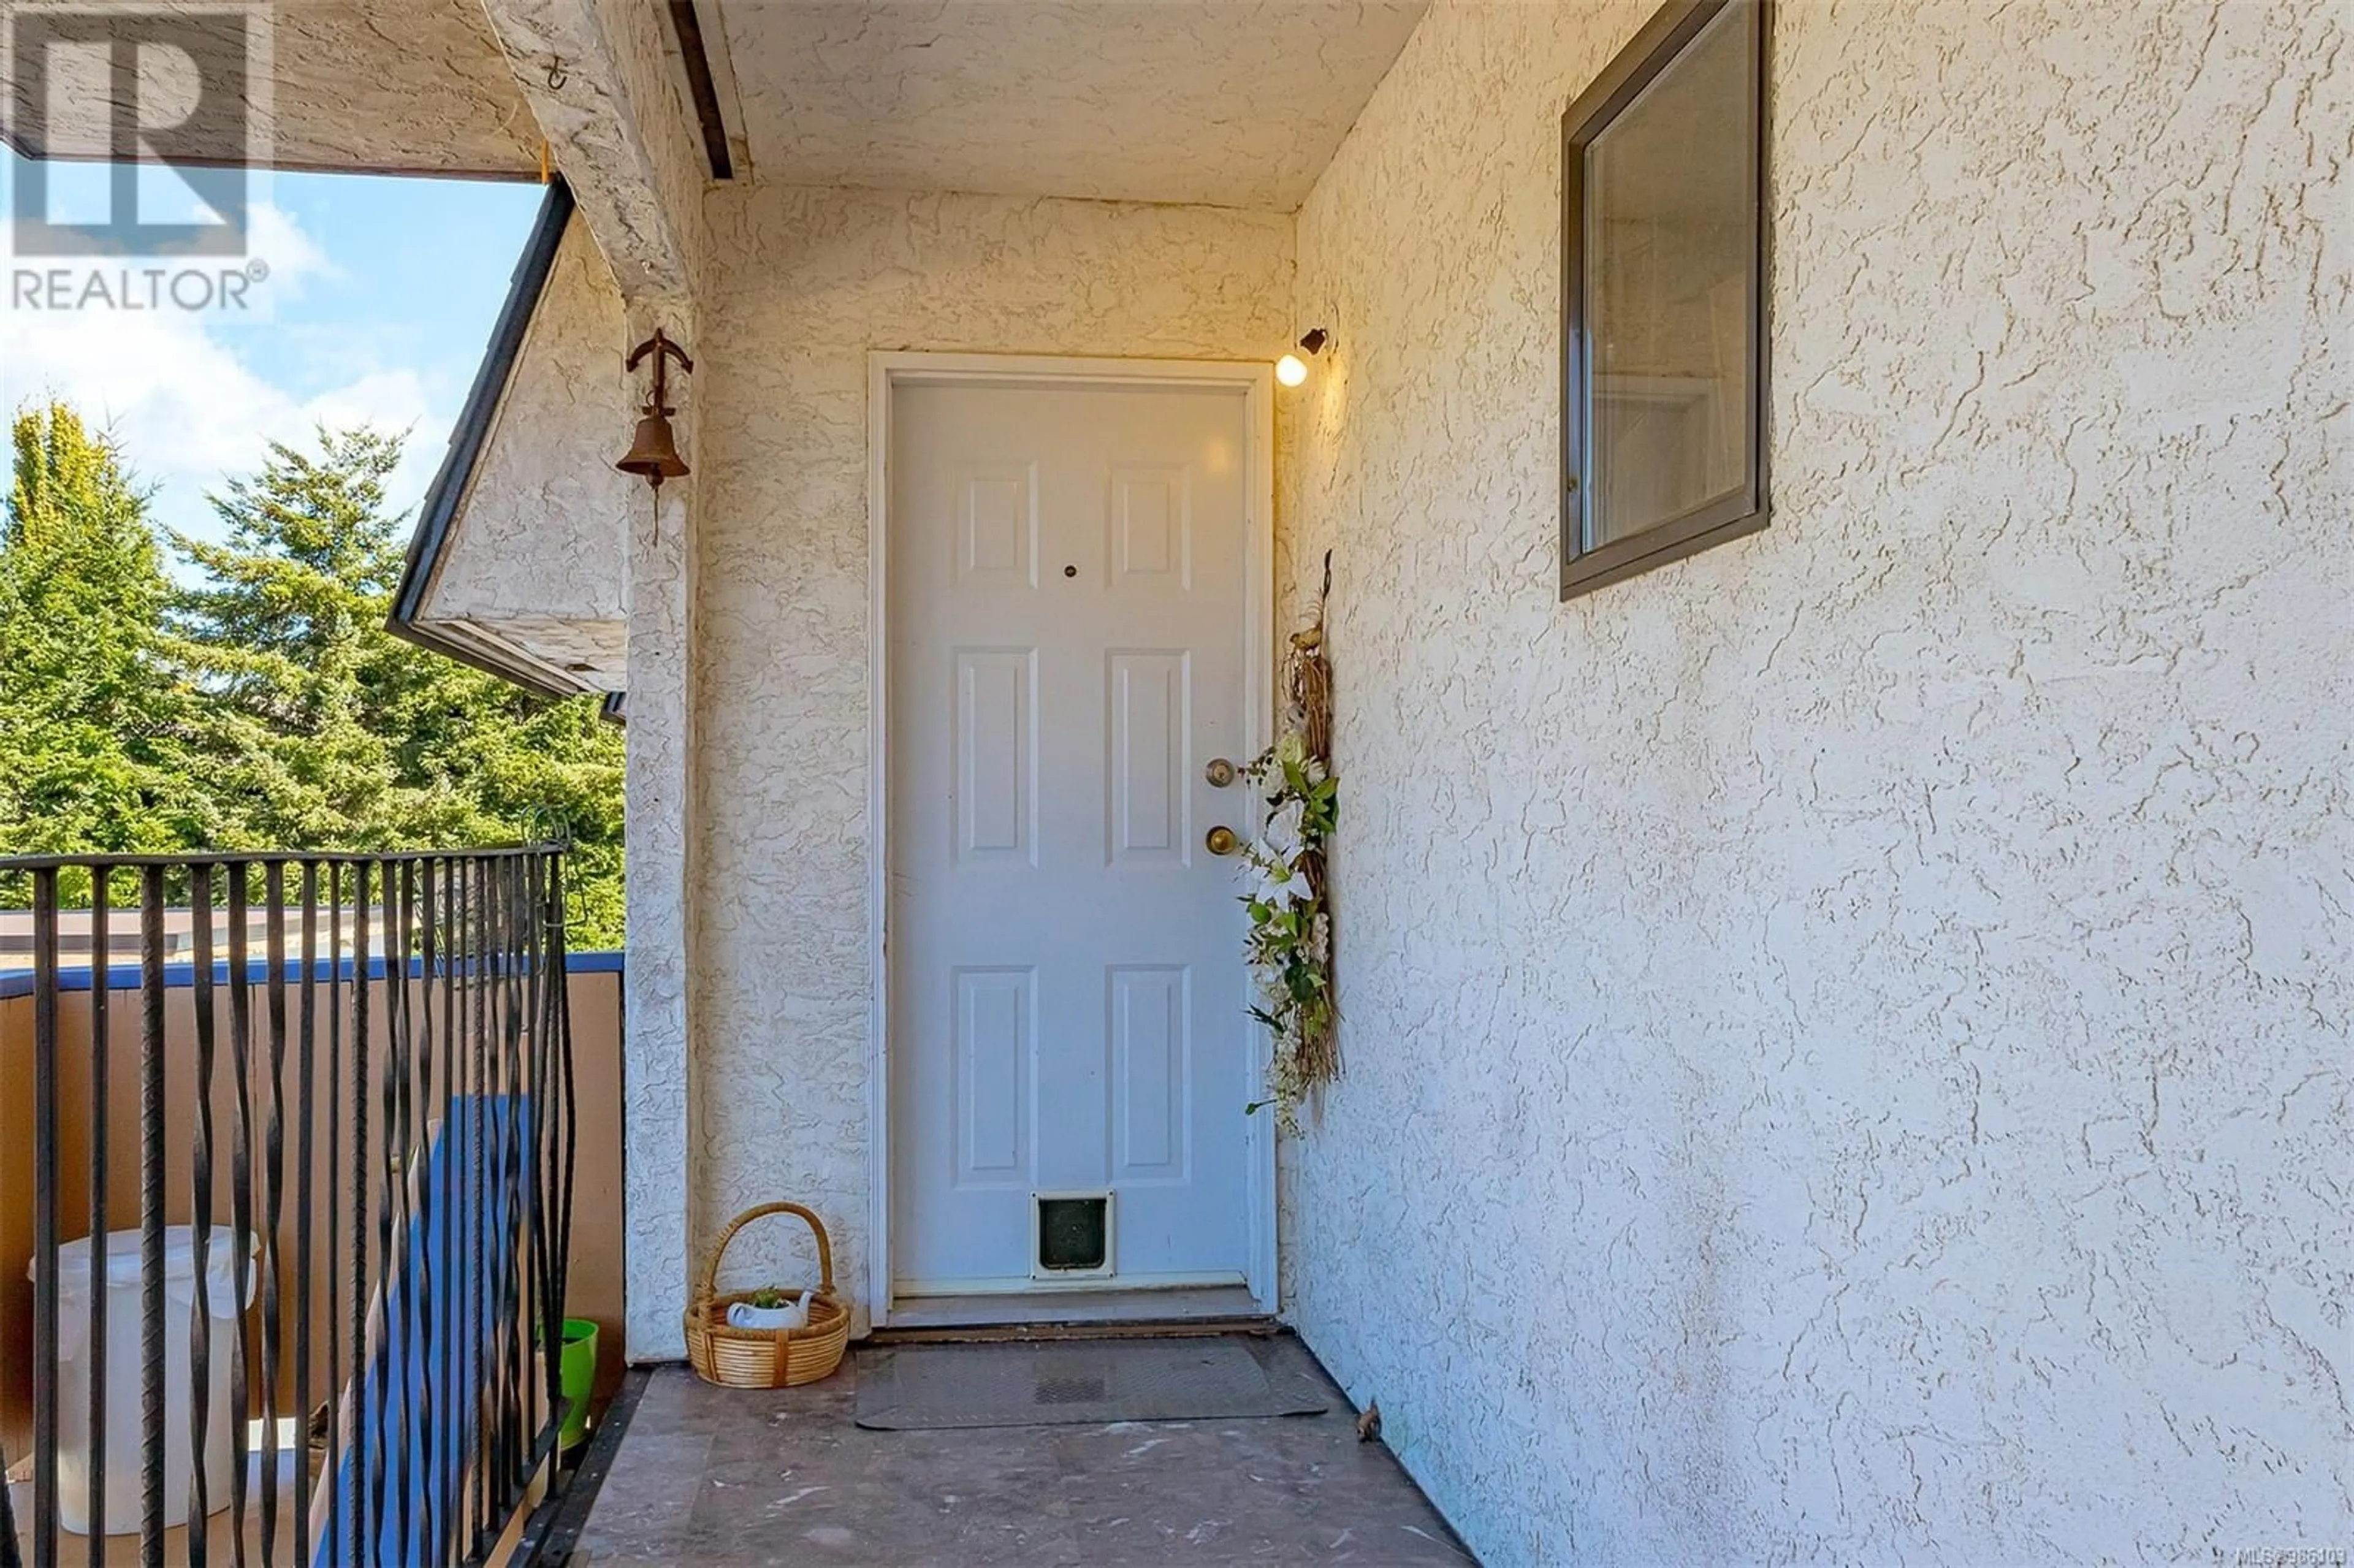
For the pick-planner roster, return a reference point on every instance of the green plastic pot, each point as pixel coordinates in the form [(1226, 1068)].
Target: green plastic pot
[(579, 1379)]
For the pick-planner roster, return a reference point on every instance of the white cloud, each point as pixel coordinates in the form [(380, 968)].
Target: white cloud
[(186, 410), (294, 259)]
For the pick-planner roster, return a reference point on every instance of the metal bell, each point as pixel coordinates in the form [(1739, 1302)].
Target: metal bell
[(653, 454)]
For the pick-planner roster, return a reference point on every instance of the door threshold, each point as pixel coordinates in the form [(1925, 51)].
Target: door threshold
[(1140, 1328), (1213, 1309)]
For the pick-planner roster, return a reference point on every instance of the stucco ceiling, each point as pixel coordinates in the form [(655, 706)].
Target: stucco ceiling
[(412, 86), (1222, 102)]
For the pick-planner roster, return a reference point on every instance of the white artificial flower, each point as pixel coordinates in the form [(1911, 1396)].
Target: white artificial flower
[(1291, 888), (1280, 839)]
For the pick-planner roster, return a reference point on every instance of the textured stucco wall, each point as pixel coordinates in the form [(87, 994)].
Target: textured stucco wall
[(1845, 1036), (616, 119), (661, 1075), (805, 283), (641, 45), (545, 528)]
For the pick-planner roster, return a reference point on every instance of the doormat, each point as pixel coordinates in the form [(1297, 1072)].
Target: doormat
[(1073, 1383)]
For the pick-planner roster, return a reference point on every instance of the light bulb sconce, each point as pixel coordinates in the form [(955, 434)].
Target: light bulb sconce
[(1291, 370), (653, 453)]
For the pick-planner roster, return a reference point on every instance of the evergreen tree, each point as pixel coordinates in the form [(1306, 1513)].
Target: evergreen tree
[(91, 717), (321, 730), (284, 641), (268, 707)]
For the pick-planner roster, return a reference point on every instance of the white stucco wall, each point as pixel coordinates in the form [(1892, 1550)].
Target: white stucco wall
[(804, 284), (543, 530), (660, 1072), (618, 123), (1846, 1036), (1846, 1032)]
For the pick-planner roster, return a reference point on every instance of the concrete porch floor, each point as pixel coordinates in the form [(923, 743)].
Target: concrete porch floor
[(733, 1480)]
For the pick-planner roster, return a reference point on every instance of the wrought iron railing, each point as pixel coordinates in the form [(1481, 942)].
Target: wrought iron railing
[(367, 1152)]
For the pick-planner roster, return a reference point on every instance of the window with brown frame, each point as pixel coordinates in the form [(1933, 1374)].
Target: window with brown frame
[(1663, 339)]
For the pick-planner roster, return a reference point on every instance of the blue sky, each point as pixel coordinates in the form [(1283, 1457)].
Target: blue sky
[(382, 295)]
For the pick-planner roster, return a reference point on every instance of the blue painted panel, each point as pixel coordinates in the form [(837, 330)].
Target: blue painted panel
[(440, 1331)]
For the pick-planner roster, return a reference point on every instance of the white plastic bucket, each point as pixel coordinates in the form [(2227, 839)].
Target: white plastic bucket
[(122, 1394)]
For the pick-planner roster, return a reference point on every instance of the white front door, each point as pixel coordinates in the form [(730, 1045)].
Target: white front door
[(1069, 1049)]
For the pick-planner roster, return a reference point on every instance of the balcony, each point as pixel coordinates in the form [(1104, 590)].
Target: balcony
[(352, 1125)]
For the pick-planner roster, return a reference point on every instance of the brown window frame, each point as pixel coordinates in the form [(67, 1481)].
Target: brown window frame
[(1652, 52)]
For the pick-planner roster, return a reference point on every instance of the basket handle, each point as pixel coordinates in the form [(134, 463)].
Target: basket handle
[(817, 1228)]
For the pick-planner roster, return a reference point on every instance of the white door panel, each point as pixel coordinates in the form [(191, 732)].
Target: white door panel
[(1067, 1000)]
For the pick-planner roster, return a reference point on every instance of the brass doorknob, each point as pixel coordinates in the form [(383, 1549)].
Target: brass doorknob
[(1220, 773), (1222, 841)]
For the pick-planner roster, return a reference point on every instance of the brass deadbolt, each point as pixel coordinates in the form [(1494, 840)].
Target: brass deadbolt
[(1220, 773)]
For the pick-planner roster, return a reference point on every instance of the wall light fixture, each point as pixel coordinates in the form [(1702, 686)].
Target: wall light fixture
[(1291, 370)]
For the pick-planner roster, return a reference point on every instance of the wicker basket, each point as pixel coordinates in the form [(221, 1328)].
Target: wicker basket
[(766, 1357)]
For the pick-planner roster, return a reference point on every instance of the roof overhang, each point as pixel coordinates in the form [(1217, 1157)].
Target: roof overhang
[(1203, 103), (567, 636), (399, 87)]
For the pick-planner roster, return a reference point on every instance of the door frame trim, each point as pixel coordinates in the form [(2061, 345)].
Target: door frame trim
[(887, 371)]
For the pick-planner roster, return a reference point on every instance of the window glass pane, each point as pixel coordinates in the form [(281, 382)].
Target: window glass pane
[(1670, 235)]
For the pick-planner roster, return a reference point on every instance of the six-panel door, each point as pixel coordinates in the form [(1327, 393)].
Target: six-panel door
[(1067, 1000)]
